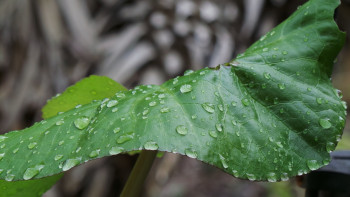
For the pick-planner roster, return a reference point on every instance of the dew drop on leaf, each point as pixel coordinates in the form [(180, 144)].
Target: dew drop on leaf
[(2, 138), (325, 123), (31, 172), (2, 156), (271, 177), (153, 103), (9, 177), (208, 107), (70, 163), (82, 122), (284, 176), (213, 134), (330, 146), (251, 177), (223, 161), (164, 110), (116, 130), (94, 153), (190, 153), (58, 157), (15, 150), (245, 102), (319, 100), (218, 127), (312, 164), (281, 86), (32, 145), (125, 138), (115, 150), (267, 75), (181, 129), (112, 103), (185, 88), (151, 145), (60, 122)]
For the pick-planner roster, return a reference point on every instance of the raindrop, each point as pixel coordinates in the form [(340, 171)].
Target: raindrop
[(94, 153), (221, 107), (312, 164), (15, 150), (32, 172), (202, 73), (115, 109), (319, 100), (234, 104), (2, 156), (265, 49), (251, 177), (223, 161), (32, 145), (330, 147), (325, 123), (245, 102), (70, 163), (194, 117), (2, 138), (190, 153), (164, 110), (234, 122), (161, 96), (60, 122), (58, 157), (188, 72), (116, 130), (151, 145), (281, 86), (263, 86), (213, 134), (125, 138), (153, 103), (267, 75), (271, 177), (284, 176), (185, 88), (208, 107), (9, 177), (218, 127), (284, 52), (181, 129), (145, 112), (112, 103), (115, 150), (60, 142), (82, 122)]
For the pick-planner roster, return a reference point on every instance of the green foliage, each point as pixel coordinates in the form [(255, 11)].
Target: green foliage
[(270, 114), (64, 102)]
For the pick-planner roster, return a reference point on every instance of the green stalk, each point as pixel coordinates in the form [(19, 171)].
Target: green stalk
[(135, 182)]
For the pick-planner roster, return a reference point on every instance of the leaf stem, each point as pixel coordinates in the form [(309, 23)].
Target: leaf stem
[(135, 182)]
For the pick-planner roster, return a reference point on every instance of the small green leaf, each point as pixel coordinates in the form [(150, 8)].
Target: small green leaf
[(256, 117)]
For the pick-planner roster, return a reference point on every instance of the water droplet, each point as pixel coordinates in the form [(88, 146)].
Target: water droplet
[(319, 100), (58, 157), (265, 49), (284, 176), (281, 86), (234, 122), (60, 122), (190, 153), (9, 177), (213, 134), (344, 104), (188, 72), (275, 101), (15, 150), (153, 103), (32, 172), (112, 103), (2, 156), (70, 163), (263, 86), (267, 75), (245, 102), (115, 109), (325, 123), (181, 129), (271, 177), (32, 145), (218, 127), (284, 52), (312, 164), (151, 146), (82, 122), (330, 147), (115, 150), (175, 81), (234, 104), (251, 177), (164, 110), (223, 161), (116, 130), (279, 144), (145, 112), (125, 138), (185, 88), (194, 117), (202, 73), (2, 138), (208, 107), (60, 142), (94, 153)]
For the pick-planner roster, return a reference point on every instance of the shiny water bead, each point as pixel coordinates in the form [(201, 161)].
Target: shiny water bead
[(185, 88), (116, 150), (325, 123), (151, 145), (208, 107), (124, 138), (82, 122), (70, 163), (181, 129), (190, 153)]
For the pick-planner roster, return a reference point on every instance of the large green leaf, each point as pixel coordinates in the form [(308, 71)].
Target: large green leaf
[(270, 114), (81, 93)]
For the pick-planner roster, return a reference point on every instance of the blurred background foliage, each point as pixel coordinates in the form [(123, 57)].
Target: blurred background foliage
[(47, 45)]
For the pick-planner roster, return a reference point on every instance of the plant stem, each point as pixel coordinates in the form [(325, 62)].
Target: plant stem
[(135, 182)]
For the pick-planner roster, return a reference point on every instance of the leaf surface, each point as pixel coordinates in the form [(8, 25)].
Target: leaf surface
[(85, 93), (270, 114)]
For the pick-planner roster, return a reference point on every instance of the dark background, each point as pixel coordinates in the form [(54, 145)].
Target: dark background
[(47, 45)]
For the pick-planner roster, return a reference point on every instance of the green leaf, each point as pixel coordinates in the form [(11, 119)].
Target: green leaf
[(83, 92), (268, 115), (64, 102)]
